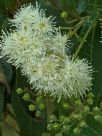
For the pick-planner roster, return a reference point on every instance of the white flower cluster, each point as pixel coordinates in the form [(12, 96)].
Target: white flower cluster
[(38, 48)]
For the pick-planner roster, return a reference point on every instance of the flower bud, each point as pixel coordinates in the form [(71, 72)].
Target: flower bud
[(78, 102), (26, 97), (53, 118), (65, 105), (66, 120), (66, 128), (46, 134), (19, 91), (98, 118), (64, 14), (96, 109), (58, 134), (56, 126), (49, 127), (42, 106), (86, 109), (83, 124), (32, 107), (89, 101), (38, 99), (38, 114), (90, 95), (77, 130)]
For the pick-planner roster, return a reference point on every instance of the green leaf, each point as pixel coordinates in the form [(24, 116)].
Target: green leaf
[(81, 6), (7, 67), (28, 126), (94, 128), (97, 64), (2, 91)]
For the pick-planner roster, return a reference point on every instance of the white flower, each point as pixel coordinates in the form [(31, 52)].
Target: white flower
[(76, 77), (39, 50), (35, 18), (60, 77), (21, 46)]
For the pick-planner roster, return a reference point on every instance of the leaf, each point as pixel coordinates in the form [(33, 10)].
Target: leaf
[(2, 91), (97, 64), (94, 128), (3, 84), (3, 78), (81, 6), (28, 126)]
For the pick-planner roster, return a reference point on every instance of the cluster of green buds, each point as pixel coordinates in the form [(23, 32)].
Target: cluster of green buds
[(72, 116), (35, 103)]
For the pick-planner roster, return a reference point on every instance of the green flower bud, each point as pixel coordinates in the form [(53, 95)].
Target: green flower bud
[(64, 14), (19, 91), (77, 130), (42, 106), (38, 99), (61, 118), (89, 101), (77, 116), (90, 95), (78, 102), (66, 120), (86, 109), (53, 118), (46, 134), (58, 134), (32, 107), (56, 126), (101, 106), (38, 113), (98, 118), (83, 124), (49, 127), (66, 128), (65, 105), (96, 109), (26, 97)]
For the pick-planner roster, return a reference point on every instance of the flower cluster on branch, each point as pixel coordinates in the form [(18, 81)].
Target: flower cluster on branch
[(38, 48)]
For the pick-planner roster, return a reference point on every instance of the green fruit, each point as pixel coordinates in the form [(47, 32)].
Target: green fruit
[(26, 97)]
